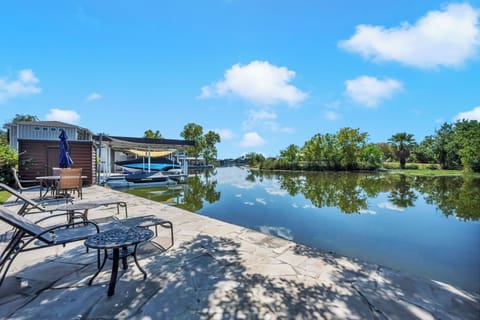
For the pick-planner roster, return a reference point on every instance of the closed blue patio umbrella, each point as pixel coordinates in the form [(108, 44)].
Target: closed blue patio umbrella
[(64, 161)]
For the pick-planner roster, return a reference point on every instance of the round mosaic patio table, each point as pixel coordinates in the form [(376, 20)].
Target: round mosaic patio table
[(123, 242)]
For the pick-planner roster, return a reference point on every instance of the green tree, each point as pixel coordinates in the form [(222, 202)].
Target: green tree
[(209, 151), (24, 117), (312, 149), (152, 134), (425, 151), (388, 154), (402, 143), (467, 140), (372, 156), (351, 143), (445, 148), (331, 151), (3, 137), (194, 132), (254, 159), (290, 154)]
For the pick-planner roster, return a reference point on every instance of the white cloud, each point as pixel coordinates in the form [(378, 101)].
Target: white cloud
[(281, 232), (225, 134), (473, 114), (440, 38), (367, 211), (259, 82), (68, 116), (390, 206), (24, 85), (262, 115), (276, 191), (275, 127), (27, 76), (331, 115), (252, 139), (370, 91), (264, 119), (261, 201), (256, 118), (93, 96)]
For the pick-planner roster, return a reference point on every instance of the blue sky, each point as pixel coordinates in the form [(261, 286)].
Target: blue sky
[(263, 74)]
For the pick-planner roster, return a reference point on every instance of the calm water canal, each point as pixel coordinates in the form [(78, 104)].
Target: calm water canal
[(421, 225)]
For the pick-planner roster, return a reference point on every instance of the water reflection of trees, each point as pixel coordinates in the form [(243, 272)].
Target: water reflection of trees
[(349, 192), (401, 194), (454, 196), (200, 187)]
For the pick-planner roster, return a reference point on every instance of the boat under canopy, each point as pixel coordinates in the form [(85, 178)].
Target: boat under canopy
[(140, 179), (154, 164), (153, 155)]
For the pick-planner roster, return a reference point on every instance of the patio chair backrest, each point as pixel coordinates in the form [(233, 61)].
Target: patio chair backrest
[(17, 194), (24, 224), (70, 178), (15, 176)]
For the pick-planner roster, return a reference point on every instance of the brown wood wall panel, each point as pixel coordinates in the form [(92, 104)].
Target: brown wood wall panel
[(36, 157)]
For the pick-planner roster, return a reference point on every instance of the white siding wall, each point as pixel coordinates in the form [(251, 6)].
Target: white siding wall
[(45, 133), (13, 138)]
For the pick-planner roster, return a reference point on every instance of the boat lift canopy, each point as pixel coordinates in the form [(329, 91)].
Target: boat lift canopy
[(143, 153), (147, 147), (144, 144)]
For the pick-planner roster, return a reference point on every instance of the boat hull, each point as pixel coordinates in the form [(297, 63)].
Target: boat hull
[(140, 179)]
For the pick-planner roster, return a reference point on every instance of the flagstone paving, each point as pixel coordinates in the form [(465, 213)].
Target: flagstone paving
[(217, 270)]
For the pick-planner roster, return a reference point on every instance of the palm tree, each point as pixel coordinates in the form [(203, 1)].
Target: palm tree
[(401, 143), (152, 134)]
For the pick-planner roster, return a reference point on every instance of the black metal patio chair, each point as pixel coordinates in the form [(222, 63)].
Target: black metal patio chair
[(32, 184), (62, 204), (28, 236)]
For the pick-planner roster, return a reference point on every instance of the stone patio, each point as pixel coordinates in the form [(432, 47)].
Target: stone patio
[(216, 270)]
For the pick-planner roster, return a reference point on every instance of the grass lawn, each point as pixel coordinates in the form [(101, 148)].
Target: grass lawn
[(422, 169), (433, 173), (4, 195)]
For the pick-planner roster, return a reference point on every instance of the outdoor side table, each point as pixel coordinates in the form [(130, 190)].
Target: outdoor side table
[(72, 208), (123, 242)]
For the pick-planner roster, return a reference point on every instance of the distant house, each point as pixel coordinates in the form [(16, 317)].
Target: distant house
[(44, 130), (38, 147)]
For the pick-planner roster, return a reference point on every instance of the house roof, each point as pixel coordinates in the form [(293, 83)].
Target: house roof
[(126, 143), (45, 124)]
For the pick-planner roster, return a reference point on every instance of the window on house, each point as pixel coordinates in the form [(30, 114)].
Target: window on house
[(53, 129), (45, 129), (36, 128)]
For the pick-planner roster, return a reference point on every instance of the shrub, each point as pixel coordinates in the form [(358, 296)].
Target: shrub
[(8, 159)]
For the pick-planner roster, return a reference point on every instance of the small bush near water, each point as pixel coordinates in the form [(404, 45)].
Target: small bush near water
[(8, 159)]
